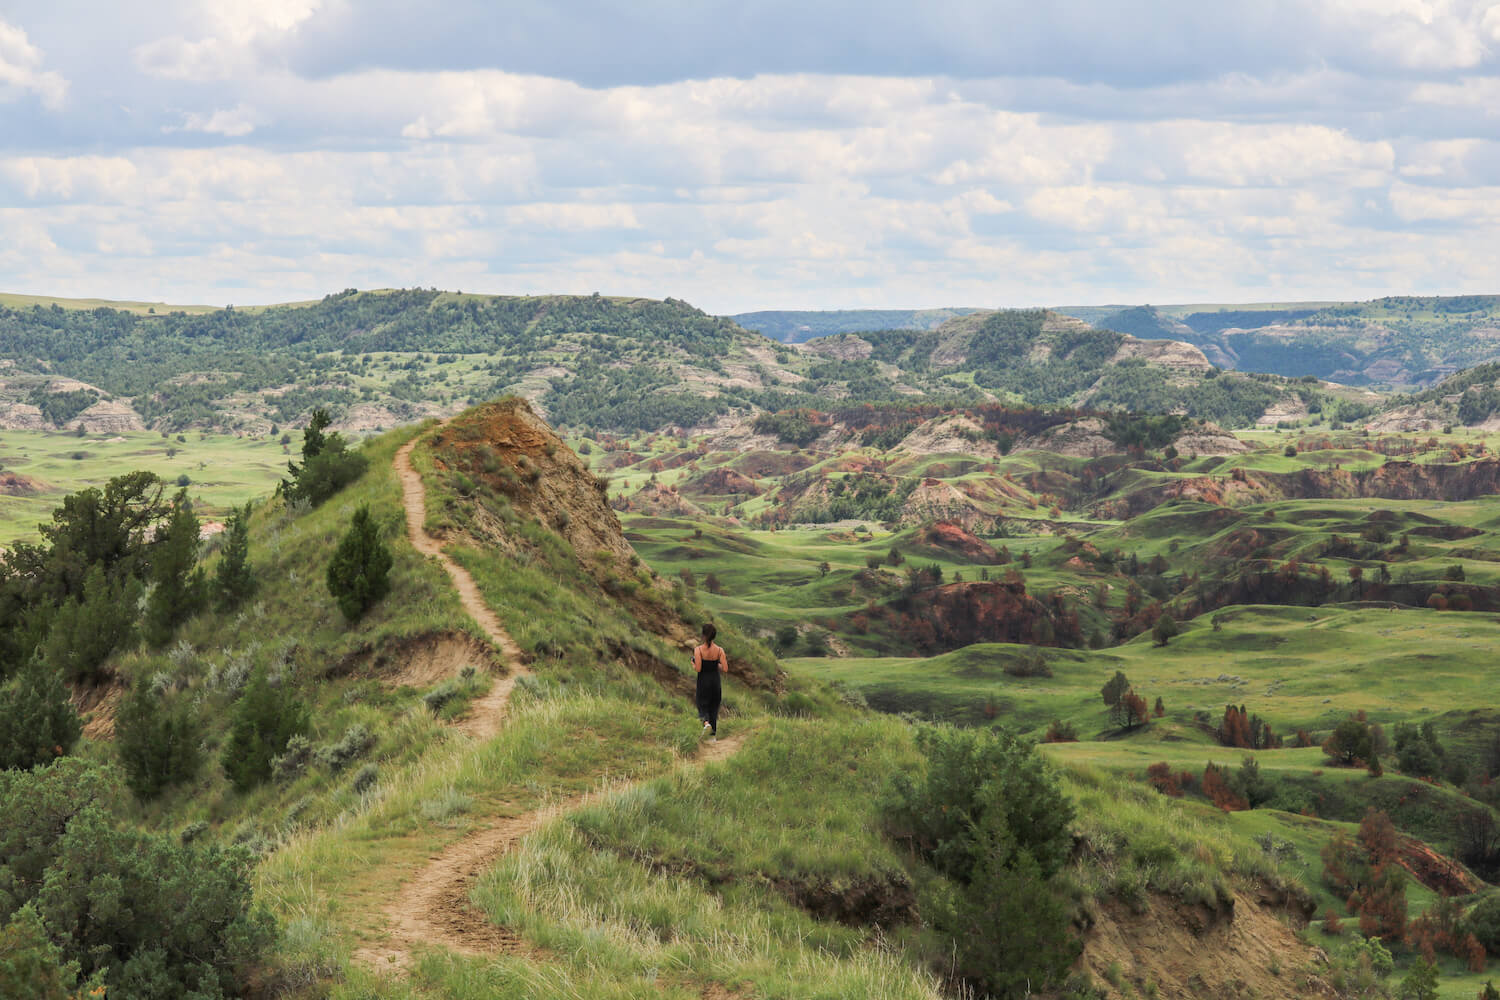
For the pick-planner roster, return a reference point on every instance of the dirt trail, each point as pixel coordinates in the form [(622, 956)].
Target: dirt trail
[(483, 720), (433, 908)]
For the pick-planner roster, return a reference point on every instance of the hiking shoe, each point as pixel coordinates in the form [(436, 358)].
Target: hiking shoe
[(707, 727)]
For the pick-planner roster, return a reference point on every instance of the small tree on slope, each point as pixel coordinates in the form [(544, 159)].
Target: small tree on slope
[(234, 580), (359, 574), (37, 723)]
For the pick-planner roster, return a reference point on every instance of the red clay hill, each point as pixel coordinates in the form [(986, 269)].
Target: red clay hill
[(944, 539), (512, 468)]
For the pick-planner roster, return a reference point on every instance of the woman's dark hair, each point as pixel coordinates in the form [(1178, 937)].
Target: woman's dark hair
[(709, 631)]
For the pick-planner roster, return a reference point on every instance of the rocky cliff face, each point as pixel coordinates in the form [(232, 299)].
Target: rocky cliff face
[(109, 416), (935, 500), (1168, 353), (20, 417), (507, 445)]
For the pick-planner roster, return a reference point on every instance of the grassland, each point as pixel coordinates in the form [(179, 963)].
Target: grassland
[(220, 471)]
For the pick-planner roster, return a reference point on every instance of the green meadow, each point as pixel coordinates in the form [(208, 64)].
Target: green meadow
[(219, 471)]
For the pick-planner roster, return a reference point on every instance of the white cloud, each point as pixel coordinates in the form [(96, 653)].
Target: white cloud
[(21, 70), (1278, 155), (1489, 23), (230, 122), (237, 28), (1278, 148)]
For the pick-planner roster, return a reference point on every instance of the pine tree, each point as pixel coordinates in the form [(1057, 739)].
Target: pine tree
[(1421, 981), (37, 722), (234, 581), (157, 743), (31, 965), (1165, 629), (265, 718), (327, 464), (179, 582), (359, 574), (86, 630), (1114, 691)]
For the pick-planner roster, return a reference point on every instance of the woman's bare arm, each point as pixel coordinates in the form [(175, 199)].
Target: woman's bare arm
[(697, 659)]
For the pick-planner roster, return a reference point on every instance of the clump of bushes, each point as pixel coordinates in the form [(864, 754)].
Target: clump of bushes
[(265, 720), (1031, 663), (327, 464), (990, 819), (37, 722), (138, 913), (158, 742)]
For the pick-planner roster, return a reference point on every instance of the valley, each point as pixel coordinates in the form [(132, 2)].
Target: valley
[(1236, 625)]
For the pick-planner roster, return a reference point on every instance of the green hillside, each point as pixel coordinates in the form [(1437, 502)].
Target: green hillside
[(1028, 642), (526, 720)]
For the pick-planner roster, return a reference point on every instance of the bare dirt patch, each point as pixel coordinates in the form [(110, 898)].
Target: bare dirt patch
[(421, 661), (97, 704), (13, 484), (1241, 949)]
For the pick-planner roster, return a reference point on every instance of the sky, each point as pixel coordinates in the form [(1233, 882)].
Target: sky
[(761, 154)]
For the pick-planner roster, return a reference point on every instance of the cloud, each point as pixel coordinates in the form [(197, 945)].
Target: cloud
[(239, 31), (1131, 42), (740, 155), (230, 122), (21, 70)]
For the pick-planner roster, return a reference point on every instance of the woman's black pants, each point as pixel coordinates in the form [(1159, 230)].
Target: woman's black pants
[(710, 693)]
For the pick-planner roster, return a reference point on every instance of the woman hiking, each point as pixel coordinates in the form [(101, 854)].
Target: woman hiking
[(709, 662)]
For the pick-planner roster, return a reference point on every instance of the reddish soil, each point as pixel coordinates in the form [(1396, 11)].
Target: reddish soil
[(944, 538)]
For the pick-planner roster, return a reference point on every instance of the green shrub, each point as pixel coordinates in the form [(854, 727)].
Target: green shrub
[(294, 759), (990, 817), (37, 722), (179, 583), (152, 917), (30, 965), (158, 743), (1483, 922), (1421, 982), (327, 464), (355, 743), (265, 719), (359, 574), (86, 629)]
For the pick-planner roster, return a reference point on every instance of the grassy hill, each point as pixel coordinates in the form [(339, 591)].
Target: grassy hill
[(377, 359), (497, 786), (616, 855)]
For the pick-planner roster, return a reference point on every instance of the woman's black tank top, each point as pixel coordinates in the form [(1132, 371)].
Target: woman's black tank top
[(709, 666)]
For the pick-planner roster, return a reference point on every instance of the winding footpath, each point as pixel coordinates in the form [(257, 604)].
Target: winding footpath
[(432, 908), (483, 720)]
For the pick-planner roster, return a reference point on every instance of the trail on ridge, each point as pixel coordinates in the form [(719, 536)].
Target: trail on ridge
[(432, 907), (485, 713)]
